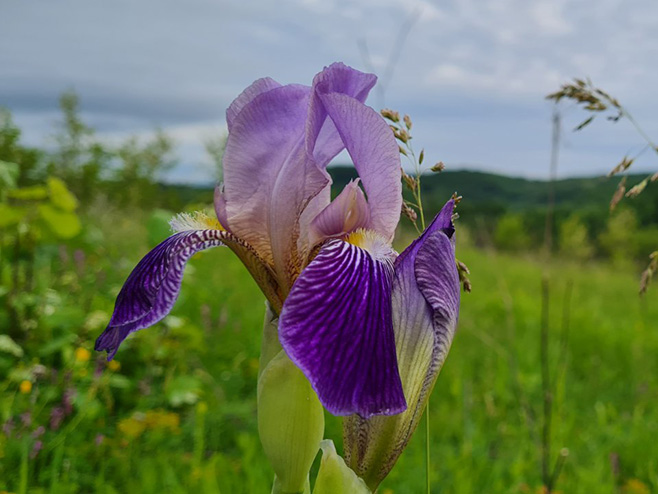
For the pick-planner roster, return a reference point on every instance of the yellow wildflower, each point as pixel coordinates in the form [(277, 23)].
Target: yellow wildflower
[(25, 387), (82, 354)]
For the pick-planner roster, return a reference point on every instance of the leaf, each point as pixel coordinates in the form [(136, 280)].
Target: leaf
[(10, 215), (60, 195), (8, 174), (33, 193), (63, 224), (7, 345)]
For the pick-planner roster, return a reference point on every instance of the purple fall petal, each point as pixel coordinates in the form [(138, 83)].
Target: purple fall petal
[(374, 151), (336, 327), (152, 288), (425, 312)]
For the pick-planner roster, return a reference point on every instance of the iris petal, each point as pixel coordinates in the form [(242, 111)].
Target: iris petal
[(258, 87), (152, 288), (280, 141), (374, 151), (425, 312), (347, 213), (336, 327)]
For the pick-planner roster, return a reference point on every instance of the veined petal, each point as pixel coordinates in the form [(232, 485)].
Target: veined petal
[(280, 141), (345, 214), (425, 312), (322, 138), (152, 288), (374, 151), (258, 87), (336, 327), (220, 206)]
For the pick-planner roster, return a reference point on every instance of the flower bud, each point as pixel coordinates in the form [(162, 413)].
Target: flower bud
[(334, 476), (290, 423)]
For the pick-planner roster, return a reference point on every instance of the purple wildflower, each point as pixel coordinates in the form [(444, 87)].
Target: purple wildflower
[(38, 446), (8, 427), (326, 267)]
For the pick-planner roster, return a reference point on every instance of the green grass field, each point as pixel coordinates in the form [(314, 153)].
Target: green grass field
[(178, 414)]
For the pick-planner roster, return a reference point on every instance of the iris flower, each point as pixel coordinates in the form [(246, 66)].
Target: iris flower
[(325, 266)]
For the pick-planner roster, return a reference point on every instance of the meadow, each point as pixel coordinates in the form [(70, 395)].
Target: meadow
[(176, 411)]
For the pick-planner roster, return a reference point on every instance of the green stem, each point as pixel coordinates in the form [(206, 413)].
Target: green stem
[(639, 129)]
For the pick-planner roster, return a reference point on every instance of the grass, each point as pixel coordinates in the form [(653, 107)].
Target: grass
[(196, 375)]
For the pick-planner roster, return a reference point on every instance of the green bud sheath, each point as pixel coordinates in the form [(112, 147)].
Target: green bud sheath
[(290, 423), (335, 477)]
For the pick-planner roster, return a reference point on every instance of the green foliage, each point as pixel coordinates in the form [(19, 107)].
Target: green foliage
[(511, 233), (618, 239), (574, 239)]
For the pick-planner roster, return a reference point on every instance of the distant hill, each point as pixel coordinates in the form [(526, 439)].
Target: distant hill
[(487, 195)]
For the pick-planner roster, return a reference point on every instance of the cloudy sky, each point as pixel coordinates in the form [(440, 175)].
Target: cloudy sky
[(472, 73)]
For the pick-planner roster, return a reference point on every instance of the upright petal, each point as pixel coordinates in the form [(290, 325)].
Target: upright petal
[(336, 327), (322, 138), (258, 87), (277, 149), (152, 288), (374, 151), (345, 214), (425, 311)]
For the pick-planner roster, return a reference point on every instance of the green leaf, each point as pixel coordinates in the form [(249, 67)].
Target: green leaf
[(8, 174), (33, 193), (10, 215), (7, 345), (63, 224), (60, 195)]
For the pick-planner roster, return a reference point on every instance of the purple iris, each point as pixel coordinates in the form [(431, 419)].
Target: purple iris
[(326, 267)]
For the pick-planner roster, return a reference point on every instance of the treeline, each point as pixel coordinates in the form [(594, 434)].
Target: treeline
[(497, 211), (128, 171), (510, 213)]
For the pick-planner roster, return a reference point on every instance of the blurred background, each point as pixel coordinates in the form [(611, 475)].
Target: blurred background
[(112, 121)]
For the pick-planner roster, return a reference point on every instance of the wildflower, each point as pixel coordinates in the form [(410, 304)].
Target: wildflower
[(82, 355), (425, 311), (113, 365), (25, 387), (38, 446), (326, 267)]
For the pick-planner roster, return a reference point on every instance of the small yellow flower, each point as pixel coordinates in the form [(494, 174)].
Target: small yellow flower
[(113, 365), (25, 387), (82, 354), (635, 486)]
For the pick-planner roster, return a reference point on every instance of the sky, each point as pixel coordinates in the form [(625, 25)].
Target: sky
[(472, 74)]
